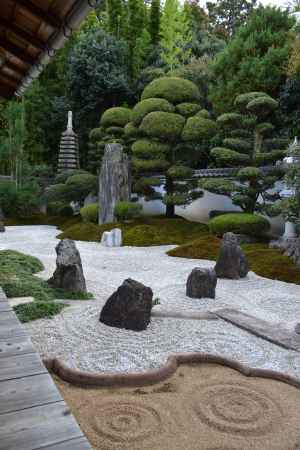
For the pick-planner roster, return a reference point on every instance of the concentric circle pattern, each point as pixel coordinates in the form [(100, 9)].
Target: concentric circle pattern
[(237, 409), (127, 421)]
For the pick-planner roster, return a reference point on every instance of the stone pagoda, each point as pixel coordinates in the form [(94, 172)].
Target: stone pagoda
[(68, 151)]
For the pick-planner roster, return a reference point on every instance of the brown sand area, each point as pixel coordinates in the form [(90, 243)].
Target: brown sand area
[(201, 407)]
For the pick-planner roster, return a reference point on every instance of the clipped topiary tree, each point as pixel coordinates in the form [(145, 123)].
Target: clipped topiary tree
[(112, 128), (249, 224), (76, 188), (166, 124), (244, 134)]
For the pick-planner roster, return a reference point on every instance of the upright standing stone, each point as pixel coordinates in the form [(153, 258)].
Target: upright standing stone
[(201, 283), (112, 238), (68, 158), (114, 181), (68, 274), (231, 261), (2, 227)]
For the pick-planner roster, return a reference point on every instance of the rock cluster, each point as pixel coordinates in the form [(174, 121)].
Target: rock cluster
[(201, 283), (112, 238), (231, 262), (290, 247), (69, 273), (128, 307)]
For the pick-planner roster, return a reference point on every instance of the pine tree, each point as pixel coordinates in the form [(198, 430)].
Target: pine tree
[(176, 35), (154, 22)]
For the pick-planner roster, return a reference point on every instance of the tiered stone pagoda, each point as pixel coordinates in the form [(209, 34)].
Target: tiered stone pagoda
[(68, 151)]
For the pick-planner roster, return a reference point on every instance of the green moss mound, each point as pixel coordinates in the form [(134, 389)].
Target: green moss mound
[(198, 128), (175, 90), (145, 231), (38, 310), (117, 116), (149, 149), (242, 223), (115, 131), (163, 125), (127, 210), (144, 107), (188, 109), (150, 165), (265, 262)]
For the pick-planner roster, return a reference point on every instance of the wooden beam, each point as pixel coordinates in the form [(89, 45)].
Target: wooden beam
[(12, 67), (16, 51), (6, 79), (5, 93), (47, 17), (32, 40)]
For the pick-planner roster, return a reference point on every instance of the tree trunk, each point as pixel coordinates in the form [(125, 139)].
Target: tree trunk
[(170, 207), (258, 141)]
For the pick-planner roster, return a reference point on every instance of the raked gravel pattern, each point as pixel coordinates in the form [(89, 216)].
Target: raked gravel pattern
[(77, 336)]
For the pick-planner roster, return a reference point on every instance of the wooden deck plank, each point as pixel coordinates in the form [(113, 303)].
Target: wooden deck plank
[(73, 444), (266, 330), (10, 325), (38, 427), (5, 307), (27, 392), (14, 346), (19, 366)]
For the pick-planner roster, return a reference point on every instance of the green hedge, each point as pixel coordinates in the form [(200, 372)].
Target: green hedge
[(96, 134), (226, 157), (127, 210), (61, 209), (175, 90), (203, 113), (115, 131), (188, 109), (163, 125), (117, 116), (90, 213), (150, 164), (149, 149), (131, 131), (238, 144), (198, 128), (242, 100), (240, 223), (144, 107)]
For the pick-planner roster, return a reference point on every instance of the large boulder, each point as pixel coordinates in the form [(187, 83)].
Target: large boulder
[(129, 307), (68, 274), (232, 262), (201, 283)]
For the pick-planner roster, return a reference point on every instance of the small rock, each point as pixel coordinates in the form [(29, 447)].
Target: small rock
[(201, 283), (297, 328), (112, 238), (68, 274), (2, 227), (232, 262), (129, 307)]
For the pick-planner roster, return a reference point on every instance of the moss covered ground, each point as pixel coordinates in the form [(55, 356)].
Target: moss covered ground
[(193, 239), (266, 262), (17, 280)]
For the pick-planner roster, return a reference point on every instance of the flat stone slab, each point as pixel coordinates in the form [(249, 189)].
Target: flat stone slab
[(183, 315), (266, 330), (15, 301)]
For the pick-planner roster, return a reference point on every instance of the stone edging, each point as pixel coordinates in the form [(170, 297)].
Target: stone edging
[(74, 376)]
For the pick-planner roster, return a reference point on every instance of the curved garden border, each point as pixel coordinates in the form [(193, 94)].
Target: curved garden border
[(74, 376)]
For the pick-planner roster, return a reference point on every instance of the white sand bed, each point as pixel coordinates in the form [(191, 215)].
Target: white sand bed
[(77, 336)]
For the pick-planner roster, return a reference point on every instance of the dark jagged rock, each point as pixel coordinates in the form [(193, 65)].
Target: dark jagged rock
[(129, 307), (201, 283), (114, 181), (289, 247), (232, 262), (68, 274)]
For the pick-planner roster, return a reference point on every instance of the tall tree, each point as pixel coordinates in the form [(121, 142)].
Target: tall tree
[(136, 34), (226, 16), (176, 35), (154, 21), (115, 17), (255, 58)]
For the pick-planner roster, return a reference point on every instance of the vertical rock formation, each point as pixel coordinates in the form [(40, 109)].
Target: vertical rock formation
[(114, 181), (68, 151)]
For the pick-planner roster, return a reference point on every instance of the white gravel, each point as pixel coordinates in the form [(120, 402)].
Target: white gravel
[(77, 336)]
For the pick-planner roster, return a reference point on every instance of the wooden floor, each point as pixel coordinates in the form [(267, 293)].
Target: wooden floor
[(33, 414)]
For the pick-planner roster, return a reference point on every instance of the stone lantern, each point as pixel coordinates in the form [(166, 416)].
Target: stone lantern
[(293, 158)]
